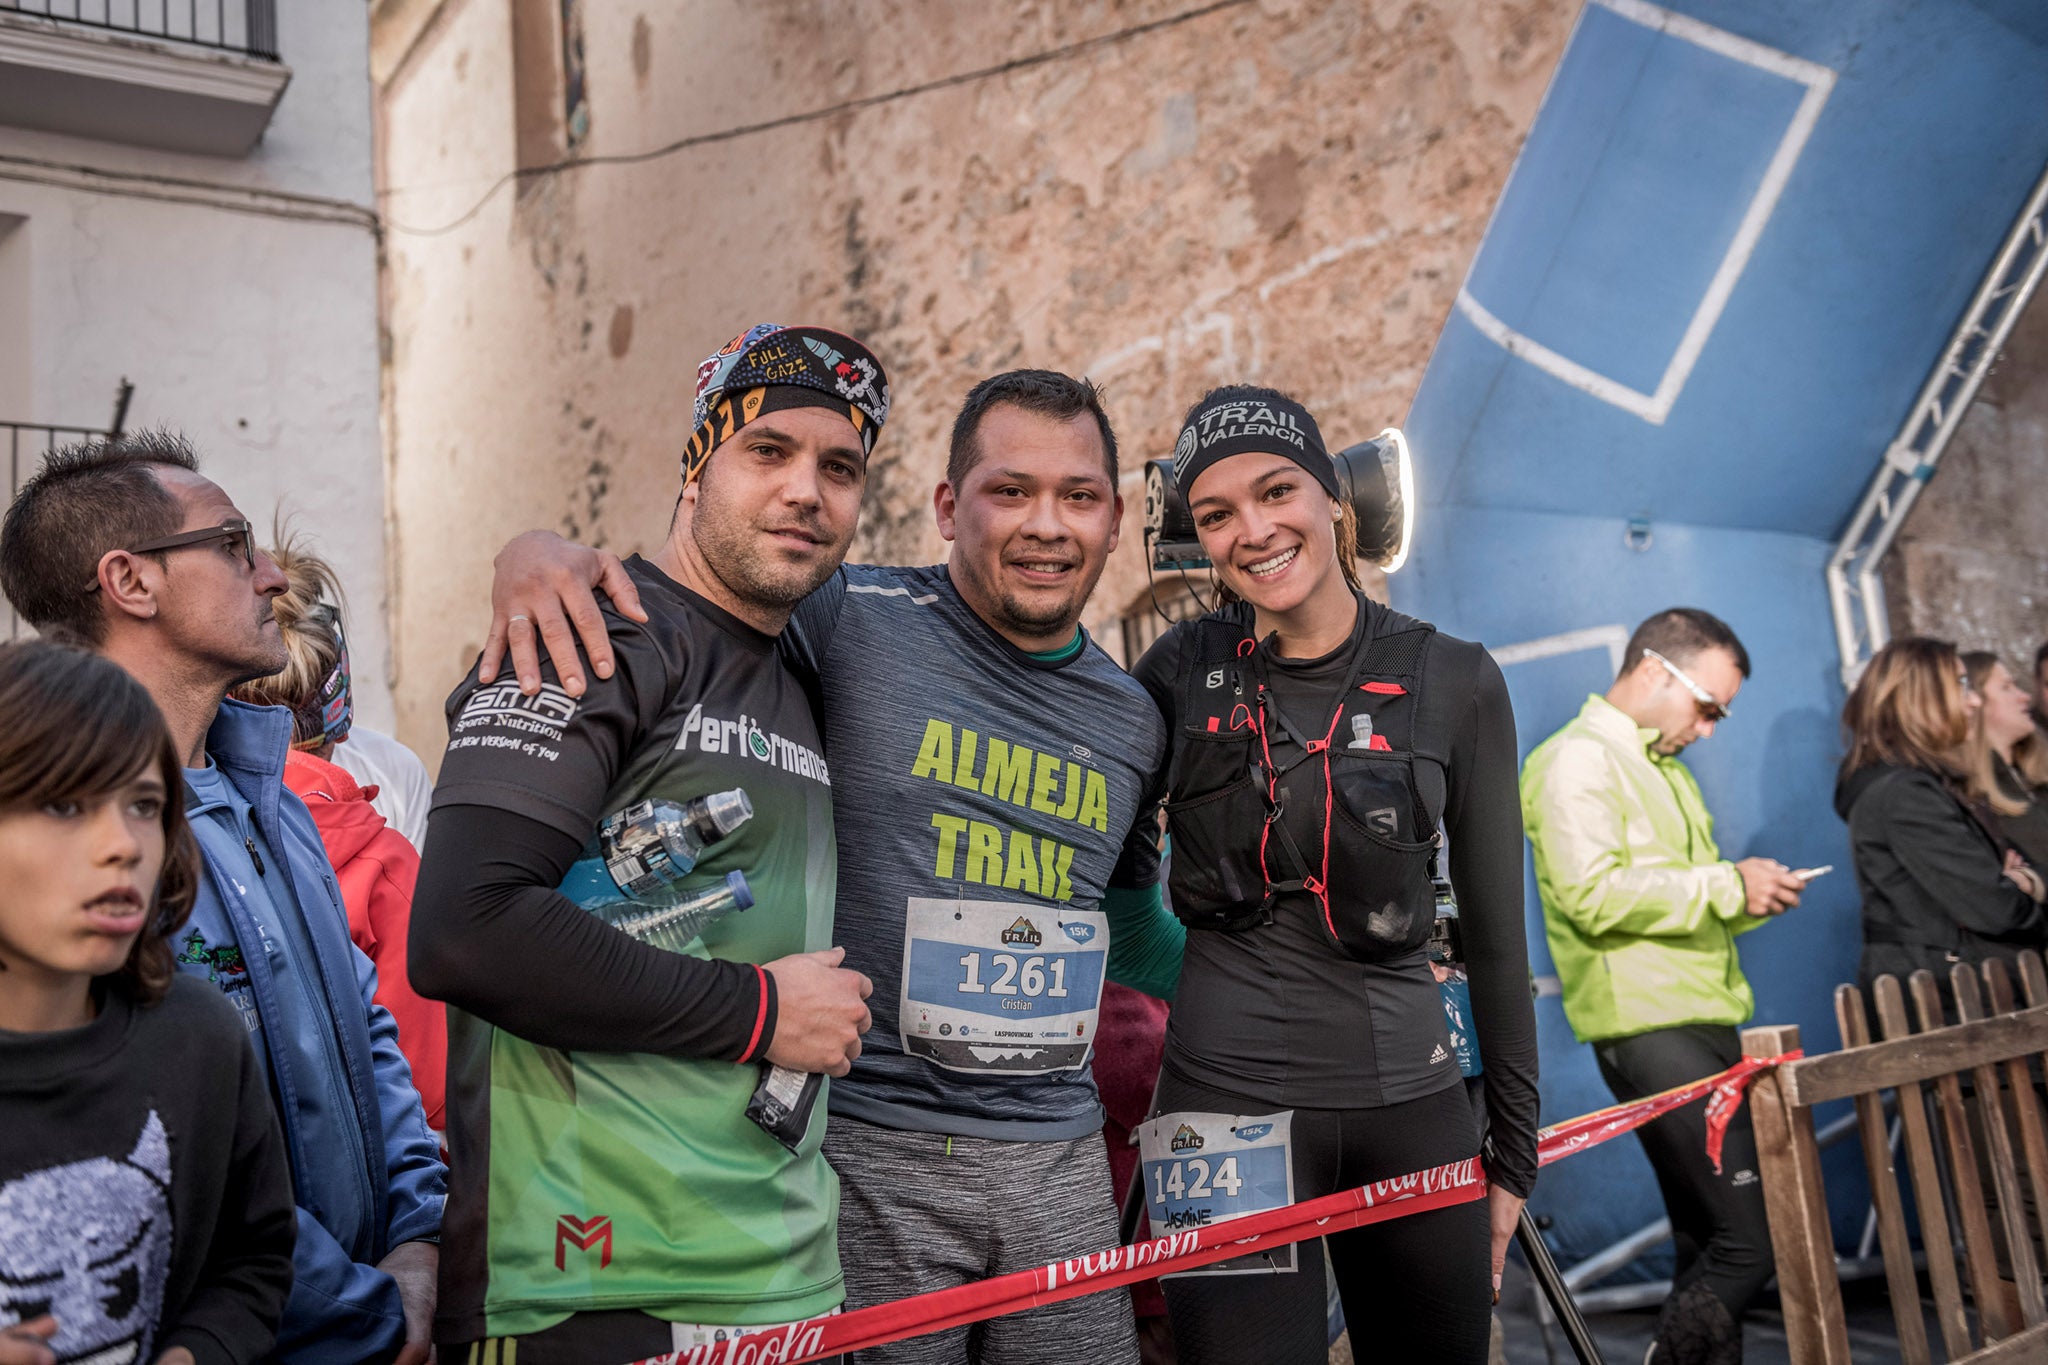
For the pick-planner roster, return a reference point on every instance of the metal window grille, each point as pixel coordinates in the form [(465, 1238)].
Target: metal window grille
[(244, 26)]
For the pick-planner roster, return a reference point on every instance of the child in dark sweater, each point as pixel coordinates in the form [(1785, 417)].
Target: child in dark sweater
[(145, 1201)]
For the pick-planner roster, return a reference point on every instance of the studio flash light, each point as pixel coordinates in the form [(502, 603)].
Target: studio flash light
[(1377, 476)]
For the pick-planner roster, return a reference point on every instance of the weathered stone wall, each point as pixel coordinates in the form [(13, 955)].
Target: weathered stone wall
[(1971, 564), (1285, 191)]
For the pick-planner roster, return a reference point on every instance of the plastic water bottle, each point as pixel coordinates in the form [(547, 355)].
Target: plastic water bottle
[(680, 923), (643, 852)]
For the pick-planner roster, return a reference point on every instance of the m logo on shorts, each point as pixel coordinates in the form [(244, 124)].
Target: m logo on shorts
[(583, 1234)]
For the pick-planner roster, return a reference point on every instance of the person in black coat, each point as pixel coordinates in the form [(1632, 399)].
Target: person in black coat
[(1940, 883)]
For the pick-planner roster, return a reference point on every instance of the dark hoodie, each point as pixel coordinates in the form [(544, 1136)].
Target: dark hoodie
[(1933, 879)]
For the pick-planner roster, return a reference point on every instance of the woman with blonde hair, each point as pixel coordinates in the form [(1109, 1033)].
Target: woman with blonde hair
[(374, 864), (1940, 883), (2014, 755)]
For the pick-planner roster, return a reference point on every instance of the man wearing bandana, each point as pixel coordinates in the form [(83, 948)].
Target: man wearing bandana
[(989, 764), (615, 1200)]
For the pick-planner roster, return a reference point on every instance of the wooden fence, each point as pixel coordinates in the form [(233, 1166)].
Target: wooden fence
[(1975, 1143)]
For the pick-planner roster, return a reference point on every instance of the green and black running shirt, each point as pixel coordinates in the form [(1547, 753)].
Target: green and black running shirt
[(598, 1085)]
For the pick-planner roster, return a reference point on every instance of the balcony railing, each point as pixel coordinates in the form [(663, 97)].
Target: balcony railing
[(248, 27)]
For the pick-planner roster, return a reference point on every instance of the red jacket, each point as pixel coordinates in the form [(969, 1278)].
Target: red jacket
[(376, 868)]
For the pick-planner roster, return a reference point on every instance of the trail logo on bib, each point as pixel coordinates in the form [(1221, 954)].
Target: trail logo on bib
[(1187, 1140), (1025, 933)]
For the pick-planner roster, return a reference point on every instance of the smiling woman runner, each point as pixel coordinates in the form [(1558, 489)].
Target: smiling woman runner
[(1320, 741)]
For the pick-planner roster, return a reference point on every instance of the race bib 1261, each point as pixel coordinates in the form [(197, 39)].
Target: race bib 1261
[(1001, 985)]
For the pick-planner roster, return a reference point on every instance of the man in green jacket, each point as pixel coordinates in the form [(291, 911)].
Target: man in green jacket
[(1641, 912)]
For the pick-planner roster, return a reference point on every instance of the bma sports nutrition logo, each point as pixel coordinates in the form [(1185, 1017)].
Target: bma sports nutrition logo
[(500, 716), (503, 704), (744, 736), (1023, 933)]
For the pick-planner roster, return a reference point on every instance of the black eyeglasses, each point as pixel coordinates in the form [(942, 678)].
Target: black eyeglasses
[(230, 531)]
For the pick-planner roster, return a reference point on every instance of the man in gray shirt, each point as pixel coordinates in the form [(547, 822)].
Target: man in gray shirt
[(990, 768)]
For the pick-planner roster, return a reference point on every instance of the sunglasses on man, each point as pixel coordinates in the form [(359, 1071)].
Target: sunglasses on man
[(239, 538), (1711, 710)]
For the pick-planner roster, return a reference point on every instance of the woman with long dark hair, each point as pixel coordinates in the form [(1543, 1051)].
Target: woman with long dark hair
[(145, 1204), (1940, 883), (1323, 747)]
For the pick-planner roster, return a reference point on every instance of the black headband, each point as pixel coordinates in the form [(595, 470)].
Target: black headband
[(1239, 426)]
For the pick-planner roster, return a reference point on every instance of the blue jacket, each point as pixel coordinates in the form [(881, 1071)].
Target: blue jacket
[(342, 1309)]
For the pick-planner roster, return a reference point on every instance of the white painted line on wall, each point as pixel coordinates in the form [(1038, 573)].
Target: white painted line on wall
[(1111, 360), (1614, 639), (1748, 51), (1655, 407), (1550, 362), (1317, 260), (1203, 316)]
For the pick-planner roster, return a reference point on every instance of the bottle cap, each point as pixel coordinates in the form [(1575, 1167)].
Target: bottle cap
[(736, 882), (729, 810)]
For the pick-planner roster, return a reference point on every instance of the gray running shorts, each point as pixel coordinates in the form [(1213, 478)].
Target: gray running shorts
[(921, 1211)]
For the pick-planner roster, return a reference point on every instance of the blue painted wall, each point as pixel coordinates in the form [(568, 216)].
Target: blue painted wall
[(1649, 154)]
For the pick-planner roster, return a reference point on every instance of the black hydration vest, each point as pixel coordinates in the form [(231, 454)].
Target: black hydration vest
[(1372, 873)]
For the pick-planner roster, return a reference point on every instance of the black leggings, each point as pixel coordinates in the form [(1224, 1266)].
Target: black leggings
[(1718, 1228), (1415, 1289)]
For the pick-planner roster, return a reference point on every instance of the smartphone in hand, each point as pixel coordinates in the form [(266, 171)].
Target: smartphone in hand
[(1807, 874)]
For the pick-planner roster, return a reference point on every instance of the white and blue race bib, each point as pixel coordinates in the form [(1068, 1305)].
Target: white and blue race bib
[(1001, 985), (1202, 1169)]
